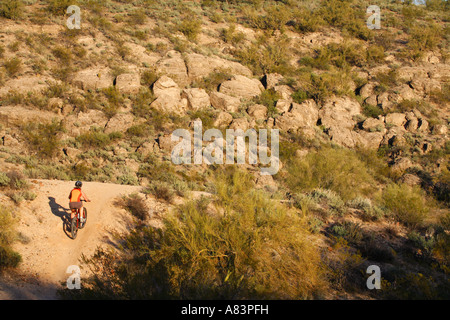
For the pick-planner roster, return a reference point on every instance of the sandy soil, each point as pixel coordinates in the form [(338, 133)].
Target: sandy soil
[(46, 246)]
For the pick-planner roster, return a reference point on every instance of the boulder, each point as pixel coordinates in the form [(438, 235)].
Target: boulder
[(439, 129), (224, 102), (257, 111), (373, 124), (401, 165), (93, 79), (120, 122), (396, 119), (223, 119), (199, 66), (173, 65), (197, 98), (300, 115), (241, 123), (339, 112), (128, 83), (242, 87), (271, 80)]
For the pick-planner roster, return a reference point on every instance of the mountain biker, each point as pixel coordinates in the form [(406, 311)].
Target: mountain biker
[(75, 197)]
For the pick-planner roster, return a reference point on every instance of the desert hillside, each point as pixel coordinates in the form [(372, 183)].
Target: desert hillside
[(362, 170)]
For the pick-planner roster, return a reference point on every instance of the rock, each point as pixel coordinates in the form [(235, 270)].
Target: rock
[(301, 153), (93, 79), (242, 87), (301, 115), (401, 165), (339, 112), (128, 83), (372, 100), (342, 136), (257, 111), (223, 119), (368, 140), (271, 80), (396, 119), (412, 125), (283, 105), (199, 66), (367, 90), (165, 143), (197, 98), (423, 125), (173, 65), (224, 102), (168, 96), (241, 123), (120, 122), (166, 86), (147, 148), (439, 129), (410, 179), (373, 124), (284, 91)]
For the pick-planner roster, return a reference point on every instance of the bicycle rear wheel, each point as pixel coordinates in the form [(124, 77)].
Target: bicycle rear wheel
[(83, 218), (74, 227)]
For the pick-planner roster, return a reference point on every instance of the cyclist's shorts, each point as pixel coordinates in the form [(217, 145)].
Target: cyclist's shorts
[(75, 205)]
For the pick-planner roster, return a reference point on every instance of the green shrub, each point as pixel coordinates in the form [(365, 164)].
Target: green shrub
[(4, 179), (339, 170), (259, 249), (190, 27), (59, 7), (8, 234), (135, 204), (13, 66), (11, 9), (44, 139), (407, 203)]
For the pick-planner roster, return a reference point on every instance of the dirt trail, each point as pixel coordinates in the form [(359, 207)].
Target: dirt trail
[(46, 247)]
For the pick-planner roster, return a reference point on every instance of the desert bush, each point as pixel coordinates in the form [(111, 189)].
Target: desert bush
[(135, 204), (161, 190), (8, 257), (407, 203), (266, 56), (13, 66), (59, 7), (95, 139), (43, 138), (260, 249), (190, 27), (339, 170), (11, 9)]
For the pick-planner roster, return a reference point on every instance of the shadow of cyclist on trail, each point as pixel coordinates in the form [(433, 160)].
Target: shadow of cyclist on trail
[(59, 211)]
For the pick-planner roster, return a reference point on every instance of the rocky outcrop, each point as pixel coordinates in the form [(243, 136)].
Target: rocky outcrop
[(168, 96), (199, 66), (242, 87), (299, 116), (128, 83), (173, 65), (224, 102), (197, 98), (93, 79)]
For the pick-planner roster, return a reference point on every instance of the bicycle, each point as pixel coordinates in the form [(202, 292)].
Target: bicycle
[(78, 222)]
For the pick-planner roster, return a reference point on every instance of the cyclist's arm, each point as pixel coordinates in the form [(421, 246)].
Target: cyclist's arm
[(85, 197)]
